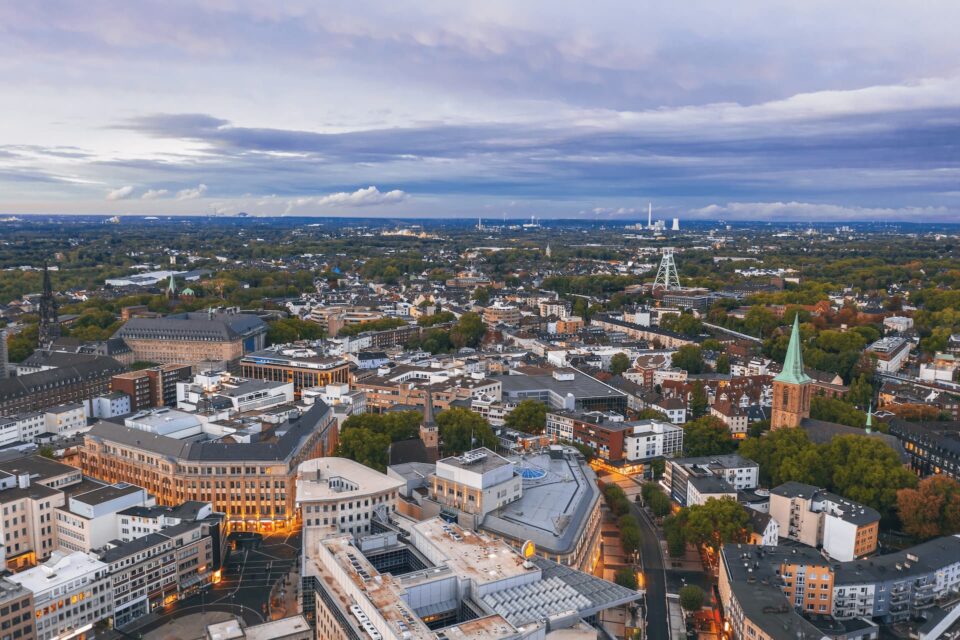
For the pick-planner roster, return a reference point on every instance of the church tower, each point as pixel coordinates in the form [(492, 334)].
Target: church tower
[(791, 388), (429, 433), (49, 329)]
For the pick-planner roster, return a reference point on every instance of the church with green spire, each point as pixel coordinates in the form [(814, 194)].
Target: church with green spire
[(791, 387)]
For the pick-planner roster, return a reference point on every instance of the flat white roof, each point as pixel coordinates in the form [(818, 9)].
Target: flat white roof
[(58, 570), (350, 479)]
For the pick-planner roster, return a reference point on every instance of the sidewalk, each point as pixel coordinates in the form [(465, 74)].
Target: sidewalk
[(285, 596)]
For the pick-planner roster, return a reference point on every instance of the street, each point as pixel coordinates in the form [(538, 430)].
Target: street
[(248, 578), (655, 599)]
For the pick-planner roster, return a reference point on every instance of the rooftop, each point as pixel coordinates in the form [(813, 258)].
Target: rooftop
[(339, 479), (553, 509)]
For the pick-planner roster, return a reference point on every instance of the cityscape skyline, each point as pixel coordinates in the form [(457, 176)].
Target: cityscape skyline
[(809, 113)]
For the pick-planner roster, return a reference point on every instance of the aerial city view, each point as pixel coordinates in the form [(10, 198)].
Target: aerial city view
[(479, 321)]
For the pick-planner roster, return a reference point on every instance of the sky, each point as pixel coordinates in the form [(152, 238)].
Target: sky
[(735, 110)]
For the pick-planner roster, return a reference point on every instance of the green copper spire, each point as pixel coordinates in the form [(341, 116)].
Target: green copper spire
[(793, 364), (870, 418), (172, 285)]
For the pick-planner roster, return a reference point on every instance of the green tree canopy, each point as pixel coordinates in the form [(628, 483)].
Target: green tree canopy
[(689, 357), (707, 436), (529, 416), (396, 425), (626, 577), (619, 363), (462, 430), (468, 331), (691, 598), (366, 447)]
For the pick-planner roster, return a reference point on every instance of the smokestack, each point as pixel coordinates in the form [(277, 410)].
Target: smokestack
[(649, 215)]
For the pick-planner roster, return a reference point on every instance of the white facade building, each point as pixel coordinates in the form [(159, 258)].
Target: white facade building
[(72, 592), (342, 495)]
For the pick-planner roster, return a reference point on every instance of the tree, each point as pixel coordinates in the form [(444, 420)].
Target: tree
[(707, 436), (366, 447), (462, 430), (626, 577), (396, 425), (529, 416), (619, 363), (861, 392), (616, 499), (836, 410), (932, 509), (482, 296), (785, 454), (580, 308), (689, 357), (649, 413), (698, 400), (723, 363), (468, 331), (630, 536), (691, 598), (717, 522), (657, 468), (866, 470), (673, 530), (46, 451), (656, 499)]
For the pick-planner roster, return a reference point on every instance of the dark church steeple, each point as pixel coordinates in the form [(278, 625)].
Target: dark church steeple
[(49, 322)]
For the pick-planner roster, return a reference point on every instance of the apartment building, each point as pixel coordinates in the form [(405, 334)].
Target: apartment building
[(713, 476), (16, 611), (31, 489), (159, 568), (842, 528)]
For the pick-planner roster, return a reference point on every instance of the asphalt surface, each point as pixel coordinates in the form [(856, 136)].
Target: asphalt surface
[(248, 576), (655, 581)]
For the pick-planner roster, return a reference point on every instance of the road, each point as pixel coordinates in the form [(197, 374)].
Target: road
[(248, 576), (655, 580)]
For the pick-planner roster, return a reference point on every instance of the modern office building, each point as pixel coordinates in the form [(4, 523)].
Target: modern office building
[(891, 353), (549, 496), (303, 371)]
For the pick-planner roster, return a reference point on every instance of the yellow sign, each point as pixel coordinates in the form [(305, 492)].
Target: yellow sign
[(528, 550)]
